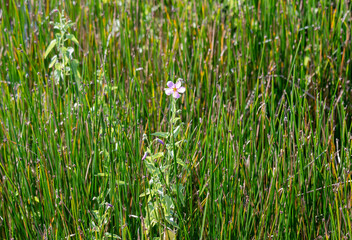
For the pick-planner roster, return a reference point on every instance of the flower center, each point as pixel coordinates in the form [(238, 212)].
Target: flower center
[(175, 89)]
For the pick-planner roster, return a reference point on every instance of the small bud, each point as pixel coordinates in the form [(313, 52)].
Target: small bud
[(144, 156), (160, 141)]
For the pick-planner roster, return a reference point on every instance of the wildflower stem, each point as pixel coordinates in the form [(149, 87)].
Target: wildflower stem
[(173, 116)]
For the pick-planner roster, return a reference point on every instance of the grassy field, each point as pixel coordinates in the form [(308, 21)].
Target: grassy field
[(264, 151)]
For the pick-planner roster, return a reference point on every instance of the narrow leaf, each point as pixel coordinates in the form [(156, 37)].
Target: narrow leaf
[(161, 134), (53, 61), (50, 47), (72, 38)]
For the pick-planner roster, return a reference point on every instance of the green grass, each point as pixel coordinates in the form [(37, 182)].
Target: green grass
[(267, 112)]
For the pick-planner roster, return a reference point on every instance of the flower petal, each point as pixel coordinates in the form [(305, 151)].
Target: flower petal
[(181, 89), (169, 91), (178, 84), (170, 84), (176, 95)]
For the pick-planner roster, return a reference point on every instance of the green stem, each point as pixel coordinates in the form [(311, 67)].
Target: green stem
[(173, 109)]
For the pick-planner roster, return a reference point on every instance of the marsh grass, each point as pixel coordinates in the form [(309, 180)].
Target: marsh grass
[(267, 109)]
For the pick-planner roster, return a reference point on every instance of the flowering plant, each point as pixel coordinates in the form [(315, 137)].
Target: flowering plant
[(165, 193)]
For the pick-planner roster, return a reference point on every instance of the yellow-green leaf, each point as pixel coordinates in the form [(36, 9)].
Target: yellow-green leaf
[(50, 47)]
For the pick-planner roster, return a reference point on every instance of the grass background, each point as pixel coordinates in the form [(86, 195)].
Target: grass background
[(267, 112)]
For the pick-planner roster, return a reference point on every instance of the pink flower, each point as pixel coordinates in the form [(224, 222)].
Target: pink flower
[(174, 89)]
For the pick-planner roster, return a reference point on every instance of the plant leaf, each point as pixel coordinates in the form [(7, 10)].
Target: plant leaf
[(177, 130), (53, 61), (101, 175), (146, 193), (161, 134), (72, 38), (169, 235), (119, 182), (111, 236), (179, 161), (70, 51), (50, 47), (74, 65), (158, 155)]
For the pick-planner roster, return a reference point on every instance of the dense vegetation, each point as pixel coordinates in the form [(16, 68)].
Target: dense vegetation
[(267, 118)]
